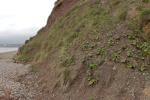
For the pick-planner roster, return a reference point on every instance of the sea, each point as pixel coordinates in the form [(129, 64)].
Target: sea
[(7, 49)]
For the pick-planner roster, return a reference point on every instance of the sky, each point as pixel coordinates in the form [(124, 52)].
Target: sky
[(21, 19)]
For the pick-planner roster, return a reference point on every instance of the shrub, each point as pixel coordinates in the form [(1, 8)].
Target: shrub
[(22, 59), (68, 61), (144, 17), (66, 76), (115, 2), (145, 1), (91, 98), (123, 15)]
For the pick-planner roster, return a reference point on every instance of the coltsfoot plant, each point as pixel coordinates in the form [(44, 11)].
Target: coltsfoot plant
[(101, 51), (142, 68), (92, 66), (129, 52), (115, 57), (131, 66), (92, 81), (111, 42)]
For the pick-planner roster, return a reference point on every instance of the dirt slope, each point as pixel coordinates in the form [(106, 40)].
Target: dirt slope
[(93, 50)]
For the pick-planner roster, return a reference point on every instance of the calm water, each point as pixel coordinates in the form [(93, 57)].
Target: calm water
[(4, 50)]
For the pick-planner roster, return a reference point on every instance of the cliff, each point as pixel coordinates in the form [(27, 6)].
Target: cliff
[(92, 50)]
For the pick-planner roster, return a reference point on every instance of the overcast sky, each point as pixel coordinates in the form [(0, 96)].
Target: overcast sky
[(22, 18)]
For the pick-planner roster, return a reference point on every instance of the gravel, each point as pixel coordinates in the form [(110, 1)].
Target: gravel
[(10, 87)]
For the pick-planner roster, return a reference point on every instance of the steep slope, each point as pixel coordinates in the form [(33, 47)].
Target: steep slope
[(93, 50)]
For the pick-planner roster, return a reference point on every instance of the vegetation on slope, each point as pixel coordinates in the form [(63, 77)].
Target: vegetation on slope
[(86, 18), (92, 34)]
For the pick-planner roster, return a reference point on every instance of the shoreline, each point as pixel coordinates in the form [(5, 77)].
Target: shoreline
[(10, 73), (8, 50), (7, 56)]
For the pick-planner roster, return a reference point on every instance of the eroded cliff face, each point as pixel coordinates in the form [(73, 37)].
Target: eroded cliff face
[(61, 8), (92, 50)]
